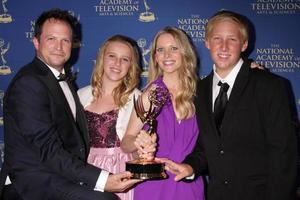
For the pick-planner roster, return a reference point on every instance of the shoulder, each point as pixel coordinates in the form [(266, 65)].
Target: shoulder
[(27, 77), (265, 78), (85, 95), (125, 111), (28, 83), (85, 90), (134, 95), (204, 82), (259, 75), (268, 86), (135, 92)]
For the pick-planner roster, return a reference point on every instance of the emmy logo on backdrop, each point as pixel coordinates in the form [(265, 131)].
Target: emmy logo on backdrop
[(146, 16), (77, 41), (141, 168), (4, 69), (5, 17), (1, 102), (145, 51)]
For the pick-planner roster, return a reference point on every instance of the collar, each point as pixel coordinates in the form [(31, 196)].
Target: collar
[(230, 78), (53, 70)]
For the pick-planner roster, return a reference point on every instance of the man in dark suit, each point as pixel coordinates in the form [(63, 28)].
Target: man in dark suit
[(46, 138), (247, 143)]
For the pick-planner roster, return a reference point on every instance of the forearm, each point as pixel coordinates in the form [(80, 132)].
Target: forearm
[(127, 144)]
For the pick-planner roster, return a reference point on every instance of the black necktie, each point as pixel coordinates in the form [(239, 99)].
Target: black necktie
[(63, 77), (220, 103)]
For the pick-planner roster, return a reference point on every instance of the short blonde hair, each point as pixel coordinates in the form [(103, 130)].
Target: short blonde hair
[(187, 75), (130, 81), (224, 15)]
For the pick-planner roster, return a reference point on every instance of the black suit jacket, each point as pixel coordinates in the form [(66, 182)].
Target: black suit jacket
[(45, 148), (254, 156)]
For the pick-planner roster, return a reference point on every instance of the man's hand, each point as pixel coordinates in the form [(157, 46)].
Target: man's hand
[(257, 65), (120, 182), (181, 170)]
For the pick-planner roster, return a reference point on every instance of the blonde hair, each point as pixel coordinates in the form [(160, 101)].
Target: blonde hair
[(225, 15), (129, 82), (187, 73)]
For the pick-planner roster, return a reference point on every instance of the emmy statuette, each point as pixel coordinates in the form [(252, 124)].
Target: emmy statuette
[(141, 168)]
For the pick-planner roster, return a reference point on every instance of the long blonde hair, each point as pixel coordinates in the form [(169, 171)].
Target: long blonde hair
[(187, 74), (129, 82)]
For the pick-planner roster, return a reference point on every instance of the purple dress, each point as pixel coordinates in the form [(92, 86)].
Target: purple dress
[(175, 141)]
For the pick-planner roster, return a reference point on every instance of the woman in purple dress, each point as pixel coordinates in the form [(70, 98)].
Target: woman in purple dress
[(108, 103), (172, 67)]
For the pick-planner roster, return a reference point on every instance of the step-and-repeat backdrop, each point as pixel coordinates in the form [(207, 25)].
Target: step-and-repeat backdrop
[(276, 22)]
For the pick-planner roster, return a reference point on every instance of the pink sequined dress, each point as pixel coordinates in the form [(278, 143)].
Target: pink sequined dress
[(105, 151)]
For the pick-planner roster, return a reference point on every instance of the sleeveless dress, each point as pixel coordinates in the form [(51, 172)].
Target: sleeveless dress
[(176, 140), (105, 151)]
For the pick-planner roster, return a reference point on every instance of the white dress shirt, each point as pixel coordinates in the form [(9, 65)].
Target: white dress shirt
[(67, 91), (229, 79)]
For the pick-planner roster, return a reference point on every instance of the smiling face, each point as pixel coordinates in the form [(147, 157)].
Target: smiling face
[(168, 54), (225, 43), (55, 43), (117, 60)]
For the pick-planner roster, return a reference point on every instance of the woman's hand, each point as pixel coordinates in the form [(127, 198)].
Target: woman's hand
[(146, 145)]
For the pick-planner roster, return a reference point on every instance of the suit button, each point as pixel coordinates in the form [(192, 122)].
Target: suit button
[(81, 149), (80, 183), (221, 152), (226, 182)]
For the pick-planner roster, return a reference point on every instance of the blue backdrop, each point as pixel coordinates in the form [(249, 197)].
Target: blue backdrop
[(277, 31)]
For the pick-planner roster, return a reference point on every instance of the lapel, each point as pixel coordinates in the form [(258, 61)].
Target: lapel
[(51, 82), (207, 108), (207, 90), (237, 91), (80, 116)]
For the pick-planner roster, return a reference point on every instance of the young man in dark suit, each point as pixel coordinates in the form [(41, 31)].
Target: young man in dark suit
[(247, 140), (46, 137)]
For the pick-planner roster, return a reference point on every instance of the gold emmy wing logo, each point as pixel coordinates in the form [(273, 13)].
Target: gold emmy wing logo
[(146, 16), (145, 51), (1, 102), (5, 17), (4, 69)]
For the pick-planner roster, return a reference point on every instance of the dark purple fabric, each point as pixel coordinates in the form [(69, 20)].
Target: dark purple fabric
[(102, 129)]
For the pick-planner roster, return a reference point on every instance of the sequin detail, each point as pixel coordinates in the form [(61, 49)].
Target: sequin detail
[(102, 129)]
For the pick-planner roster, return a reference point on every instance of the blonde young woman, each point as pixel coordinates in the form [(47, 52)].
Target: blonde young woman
[(108, 103), (173, 68)]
